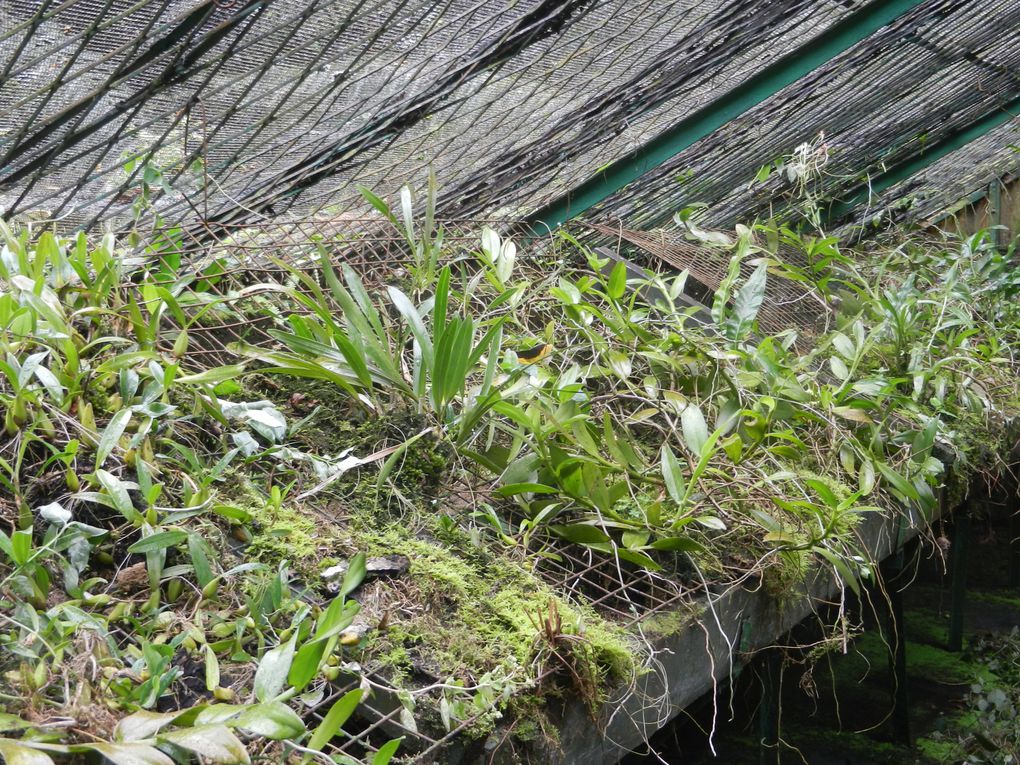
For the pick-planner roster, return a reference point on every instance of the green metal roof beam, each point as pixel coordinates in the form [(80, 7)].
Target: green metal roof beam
[(898, 172), (772, 79)]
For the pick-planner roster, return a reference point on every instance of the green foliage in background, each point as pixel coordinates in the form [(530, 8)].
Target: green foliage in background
[(583, 408)]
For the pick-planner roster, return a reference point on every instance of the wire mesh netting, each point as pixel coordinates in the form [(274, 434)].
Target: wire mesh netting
[(241, 110), (246, 267)]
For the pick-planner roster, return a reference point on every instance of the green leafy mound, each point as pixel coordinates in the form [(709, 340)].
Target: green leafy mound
[(176, 526)]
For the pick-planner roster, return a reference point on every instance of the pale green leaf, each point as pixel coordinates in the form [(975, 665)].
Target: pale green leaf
[(271, 676), (142, 725), (692, 421), (672, 475), (131, 754), (212, 669), (274, 720), (16, 753), (213, 743)]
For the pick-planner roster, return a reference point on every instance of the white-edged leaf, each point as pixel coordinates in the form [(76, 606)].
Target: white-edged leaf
[(111, 435), (142, 725), (16, 753), (839, 368), (271, 676), (692, 421), (748, 302), (51, 383), (844, 346), (131, 754), (117, 490), (274, 720), (672, 475), (711, 522), (213, 743), (620, 363)]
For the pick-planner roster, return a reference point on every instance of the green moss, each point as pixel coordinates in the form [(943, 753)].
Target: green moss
[(1011, 600), (482, 612), (283, 533), (671, 622), (940, 665), (851, 746), (532, 726), (943, 752)]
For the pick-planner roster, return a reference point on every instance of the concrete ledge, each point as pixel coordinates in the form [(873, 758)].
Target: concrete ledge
[(721, 639)]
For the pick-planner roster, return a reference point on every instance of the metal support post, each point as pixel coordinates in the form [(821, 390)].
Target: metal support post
[(958, 576), (897, 639), (768, 710)]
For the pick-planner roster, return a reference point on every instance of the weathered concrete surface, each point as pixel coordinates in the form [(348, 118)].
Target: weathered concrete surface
[(732, 625)]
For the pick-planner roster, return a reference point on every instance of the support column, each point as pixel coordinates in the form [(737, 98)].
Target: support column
[(768, 710), (897, 640), (958, 576), (1013, 509), (995, 213)]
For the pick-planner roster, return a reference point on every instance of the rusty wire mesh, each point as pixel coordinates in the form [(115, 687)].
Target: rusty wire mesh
[(787, 304)]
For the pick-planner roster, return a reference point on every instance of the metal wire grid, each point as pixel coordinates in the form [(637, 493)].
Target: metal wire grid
[(619, 591), (930, 73), (786, 306), (595, 580), (252, 255), (617, 76), (370, 728), (274, 93)]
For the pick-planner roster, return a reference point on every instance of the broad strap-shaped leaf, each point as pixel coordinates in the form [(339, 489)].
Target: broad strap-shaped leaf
[(17, 753), (386, 752), (672, 475), (131, 754), (143, 725), (581, 533), (748, 302), (355, 575), (159, 541), (692, 422), (213, 743), (274, 720), (331, 724), (414, 321), (274, 667)]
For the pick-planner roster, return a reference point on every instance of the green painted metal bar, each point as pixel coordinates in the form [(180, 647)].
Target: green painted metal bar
[(971, 199), (772, 79), (932, 153)]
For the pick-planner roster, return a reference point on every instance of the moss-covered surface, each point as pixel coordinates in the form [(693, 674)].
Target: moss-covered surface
[(466, 613)]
